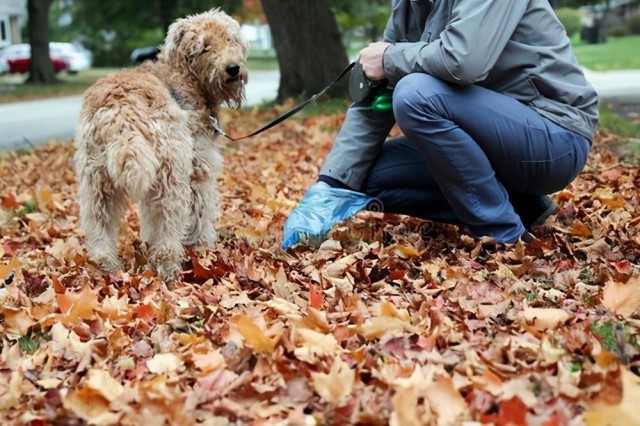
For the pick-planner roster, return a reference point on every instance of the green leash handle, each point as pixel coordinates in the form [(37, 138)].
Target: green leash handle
[(382, 102)]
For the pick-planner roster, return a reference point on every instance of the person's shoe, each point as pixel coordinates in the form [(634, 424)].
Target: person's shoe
[(527, 238), (533, 210), (320, 209)]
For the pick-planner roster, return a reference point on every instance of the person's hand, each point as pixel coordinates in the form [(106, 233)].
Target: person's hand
[(371, 59)]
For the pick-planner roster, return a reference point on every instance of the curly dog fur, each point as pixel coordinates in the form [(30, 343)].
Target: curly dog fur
[(144, 135)]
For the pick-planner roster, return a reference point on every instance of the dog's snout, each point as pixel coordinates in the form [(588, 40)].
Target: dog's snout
[(233, 70)]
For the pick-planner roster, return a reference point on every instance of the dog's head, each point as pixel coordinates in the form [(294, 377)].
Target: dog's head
[(209, 46)]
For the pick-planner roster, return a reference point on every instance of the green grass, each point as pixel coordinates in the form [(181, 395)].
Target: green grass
[(621, 53), (618, 125)]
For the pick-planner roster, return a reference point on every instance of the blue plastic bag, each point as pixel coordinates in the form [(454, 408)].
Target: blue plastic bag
[(321, 208)]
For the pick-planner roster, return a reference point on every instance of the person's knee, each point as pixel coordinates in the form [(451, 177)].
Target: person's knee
[(413, 97)]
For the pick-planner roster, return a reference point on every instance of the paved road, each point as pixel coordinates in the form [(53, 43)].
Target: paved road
[(27, 123), (32, 122)]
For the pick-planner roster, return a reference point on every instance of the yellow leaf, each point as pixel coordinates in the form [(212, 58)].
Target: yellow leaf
[(315, 345), (387, 309), (447, 403), (43, 197), (11, 397), (16, 323), (208, 362), (86, 403), (579, 229), (252, 334), (406, 408), (403, 251), (102, 382), (336, 386), (605, 193), (622, 299), (5, 270), (623, 414), (376, 327), (164, 363), (544, 318)]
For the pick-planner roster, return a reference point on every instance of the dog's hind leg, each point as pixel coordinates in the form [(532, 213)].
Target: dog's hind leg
[(101, 212), (205, 205), (164, 216)]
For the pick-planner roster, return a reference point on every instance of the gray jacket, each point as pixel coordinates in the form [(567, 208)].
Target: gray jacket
[(515, 47)]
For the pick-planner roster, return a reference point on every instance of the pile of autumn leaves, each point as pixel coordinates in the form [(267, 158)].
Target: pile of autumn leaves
[(390, 320)]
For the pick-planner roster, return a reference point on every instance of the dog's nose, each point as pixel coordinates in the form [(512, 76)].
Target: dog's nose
[(233, 70)]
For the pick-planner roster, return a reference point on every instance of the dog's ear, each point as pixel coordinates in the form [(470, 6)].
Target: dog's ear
[(181, 31), (176, 31)]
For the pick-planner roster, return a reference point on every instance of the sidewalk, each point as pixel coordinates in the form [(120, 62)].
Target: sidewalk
[(616, 84)]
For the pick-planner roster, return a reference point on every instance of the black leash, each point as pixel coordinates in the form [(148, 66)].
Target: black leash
[(281, 118)]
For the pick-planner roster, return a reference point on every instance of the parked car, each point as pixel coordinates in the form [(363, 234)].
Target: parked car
[(147, 53), (77, 58), (18, 57)]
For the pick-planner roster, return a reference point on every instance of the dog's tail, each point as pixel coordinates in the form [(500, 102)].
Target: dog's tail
[(132, 165)]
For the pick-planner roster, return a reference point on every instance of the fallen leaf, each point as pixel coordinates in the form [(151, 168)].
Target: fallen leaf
[(209, 361), (76, 307), (335, 387), (16, 323), (102, 382), (164, 363), (253, 336), (446, 402), (5, 270), (314, 345), (622, 298), (543, 319), (625, 413)]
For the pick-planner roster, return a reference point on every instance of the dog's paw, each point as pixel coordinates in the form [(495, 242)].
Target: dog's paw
[(169, 273), (108, 263), (206, 239)]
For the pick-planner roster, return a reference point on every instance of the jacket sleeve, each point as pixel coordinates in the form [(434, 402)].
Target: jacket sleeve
[(468, 47), (389, 34), (357, 144)]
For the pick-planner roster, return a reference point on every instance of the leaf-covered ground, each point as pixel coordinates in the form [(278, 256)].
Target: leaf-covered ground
[(392, 320)]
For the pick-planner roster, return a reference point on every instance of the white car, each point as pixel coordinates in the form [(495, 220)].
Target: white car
[(78, 58)]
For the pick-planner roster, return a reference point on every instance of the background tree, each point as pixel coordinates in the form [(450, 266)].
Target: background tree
[(111, 30), (357, 15), (601, 9), (308, 46), (40, 66)]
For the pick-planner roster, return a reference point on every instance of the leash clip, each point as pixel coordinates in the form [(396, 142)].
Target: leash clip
[(216, 127)]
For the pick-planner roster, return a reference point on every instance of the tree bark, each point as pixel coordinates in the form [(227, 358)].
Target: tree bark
[(40, 66), (308, 46)]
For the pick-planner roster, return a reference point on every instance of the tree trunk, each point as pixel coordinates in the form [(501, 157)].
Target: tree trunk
[(308, 46), (40, 66)]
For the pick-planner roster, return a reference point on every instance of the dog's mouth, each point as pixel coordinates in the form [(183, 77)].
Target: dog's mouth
[(230, 80), (234, 89)]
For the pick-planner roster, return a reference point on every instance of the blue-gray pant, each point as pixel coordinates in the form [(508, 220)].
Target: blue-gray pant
[(466, 148)]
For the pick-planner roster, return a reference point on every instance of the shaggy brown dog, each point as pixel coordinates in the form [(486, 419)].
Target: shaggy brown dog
[(145, 135)]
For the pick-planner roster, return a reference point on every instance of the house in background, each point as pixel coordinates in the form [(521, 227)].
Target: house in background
[(618, 12), (13, 15), (598, 18)]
